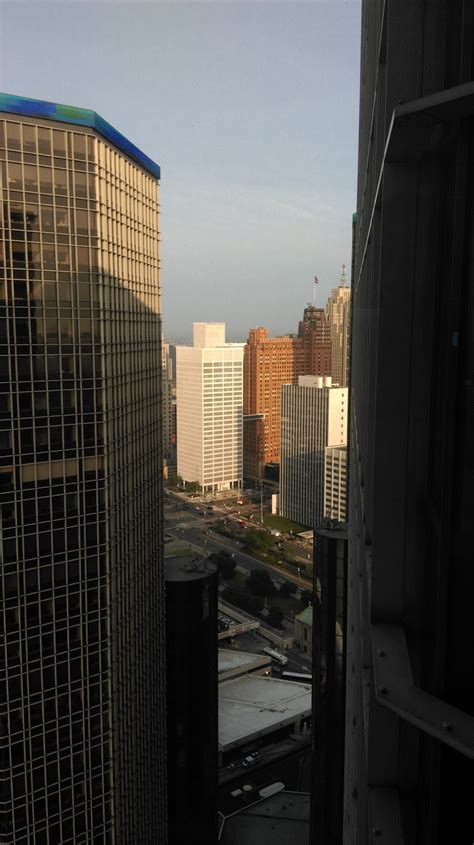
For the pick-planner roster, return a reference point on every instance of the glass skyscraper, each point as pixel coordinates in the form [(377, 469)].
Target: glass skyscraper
[(82, 675)]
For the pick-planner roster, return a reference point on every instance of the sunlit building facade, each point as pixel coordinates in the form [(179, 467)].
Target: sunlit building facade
[(82, 696), (269, 363), (338, 312), (209, 378)]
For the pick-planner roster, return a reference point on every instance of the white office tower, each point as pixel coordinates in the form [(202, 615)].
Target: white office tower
[(313, 440), (338, 312), (209, 395)]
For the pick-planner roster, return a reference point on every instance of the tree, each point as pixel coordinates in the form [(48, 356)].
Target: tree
[(236, 596), (259, 583), (275, 617), (258, 540), (306, 599), (243, 599), (225, 564), (192, 486), (175, 481), (288, 588), (255, 603)]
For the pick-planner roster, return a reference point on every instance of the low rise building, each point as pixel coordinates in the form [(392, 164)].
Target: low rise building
[(304, 631), (235, 664), (253, 707)]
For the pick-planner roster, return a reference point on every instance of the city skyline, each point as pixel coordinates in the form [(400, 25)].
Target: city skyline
[(251, 112)]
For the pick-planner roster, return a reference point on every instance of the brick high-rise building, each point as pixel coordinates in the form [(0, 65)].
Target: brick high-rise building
[(82, 754), (315, 331), (270, 362)]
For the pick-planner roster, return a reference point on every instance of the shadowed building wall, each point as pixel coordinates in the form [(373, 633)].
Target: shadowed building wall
[(192, 718), (409, 765)]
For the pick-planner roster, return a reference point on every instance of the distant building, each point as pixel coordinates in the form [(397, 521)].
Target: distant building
[(209, 409), (270, 362), (338, 310), (313, 417), (315, 332), (169, 412), (335, 482), (304, 631)]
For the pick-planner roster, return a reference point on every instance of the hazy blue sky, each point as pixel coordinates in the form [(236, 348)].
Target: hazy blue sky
[(251, 110)]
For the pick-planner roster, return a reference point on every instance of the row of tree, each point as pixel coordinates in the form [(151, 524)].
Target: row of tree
[(258, 586)]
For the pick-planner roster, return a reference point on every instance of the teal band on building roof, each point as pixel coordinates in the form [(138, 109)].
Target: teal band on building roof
[(79, 117)]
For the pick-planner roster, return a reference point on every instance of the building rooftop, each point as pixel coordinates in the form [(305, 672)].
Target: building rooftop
[(255, 705), (79, 117), (230, 662), (306, 616), (190, 568), (277, 820)]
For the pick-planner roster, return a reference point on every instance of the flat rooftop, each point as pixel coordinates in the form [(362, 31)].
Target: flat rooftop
[(254, 705), (232, 661), (27, 107), (278, 820)]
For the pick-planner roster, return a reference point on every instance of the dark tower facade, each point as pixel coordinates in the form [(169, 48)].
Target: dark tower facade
[(82, 749), (191, 663), (409, 762), (329, 681)]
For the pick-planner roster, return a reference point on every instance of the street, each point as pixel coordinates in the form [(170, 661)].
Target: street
[(190, 527)]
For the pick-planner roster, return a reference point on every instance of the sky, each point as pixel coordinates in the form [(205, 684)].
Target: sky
[(251, 111)]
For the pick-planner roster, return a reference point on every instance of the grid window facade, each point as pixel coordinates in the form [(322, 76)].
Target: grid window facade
[(80, 475), (209, 419), (311, 418)]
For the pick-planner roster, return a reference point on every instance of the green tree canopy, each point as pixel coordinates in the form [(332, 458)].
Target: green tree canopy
[(259, 583), (225, 564), (306, 598), (275, 617)]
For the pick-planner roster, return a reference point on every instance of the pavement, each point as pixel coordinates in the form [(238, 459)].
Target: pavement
[(189, 525)]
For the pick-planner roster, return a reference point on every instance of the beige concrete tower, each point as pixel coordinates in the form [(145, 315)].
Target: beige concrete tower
[(313, 477), (338, 313)]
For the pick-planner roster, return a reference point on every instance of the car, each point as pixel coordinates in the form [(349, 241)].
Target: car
[(249, 761)]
